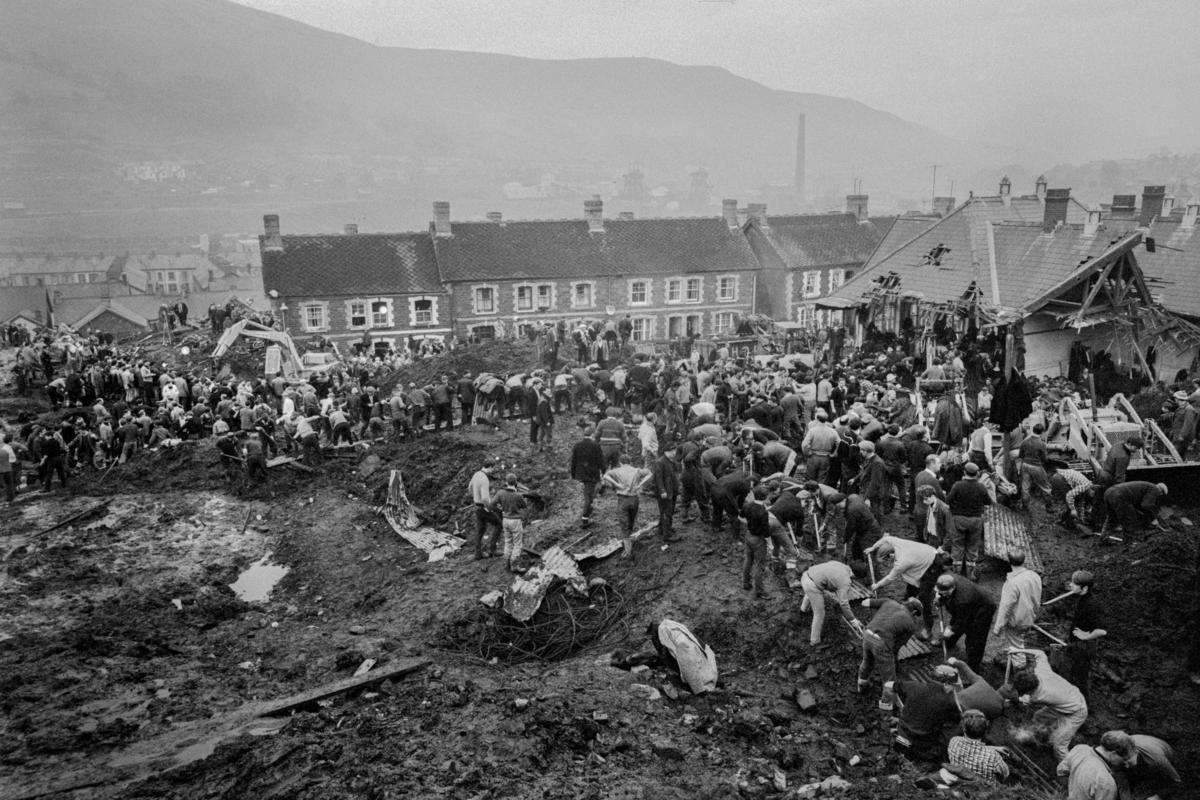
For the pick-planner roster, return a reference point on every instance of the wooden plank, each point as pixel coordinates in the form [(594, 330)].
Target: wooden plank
[(279, 461), (393, 669), (85, 513)]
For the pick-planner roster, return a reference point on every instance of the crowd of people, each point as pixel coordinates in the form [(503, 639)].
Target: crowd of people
[(797, 463)]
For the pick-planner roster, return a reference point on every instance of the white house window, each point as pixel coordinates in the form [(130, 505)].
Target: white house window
[(172, 285), (812, 283), (674, 327), (723, 322), (381, 313), (727, 288), (806, 314), (485, 299), (313, 317), (422, 311), (356, 313), (836, 278), (524, 298), (638, 293), (583, 295), (674, 290), (545, 296), (642, 329), (693, 290)]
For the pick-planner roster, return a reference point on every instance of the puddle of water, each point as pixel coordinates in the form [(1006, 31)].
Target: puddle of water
[(255, 583)]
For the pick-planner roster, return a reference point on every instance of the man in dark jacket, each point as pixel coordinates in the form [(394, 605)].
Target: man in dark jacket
[(965, 611), (1134, 505), (587, 466), (968, 499), (873, 482), (862, 528), (728, 495), (666, 489), (466, 399)]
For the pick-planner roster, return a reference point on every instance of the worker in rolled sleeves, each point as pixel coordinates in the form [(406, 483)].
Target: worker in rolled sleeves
[(965, 611), (833, 577), (628, 481), (1020, 601), (485, 519), (892, 625), (968, 499), (1062, 709), (915, 563)]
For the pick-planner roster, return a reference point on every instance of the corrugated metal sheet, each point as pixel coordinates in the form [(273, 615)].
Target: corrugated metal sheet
[(399, 513), (523, 598)]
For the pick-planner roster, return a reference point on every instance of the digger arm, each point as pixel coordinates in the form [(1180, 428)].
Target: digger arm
[(246, 327)]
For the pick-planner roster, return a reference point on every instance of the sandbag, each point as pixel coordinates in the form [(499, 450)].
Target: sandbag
[(697, 662)]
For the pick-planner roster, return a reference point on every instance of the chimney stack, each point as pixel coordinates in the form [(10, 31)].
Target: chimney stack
[(1152, 203), (441, 218), (743, 215), (1124, 206), (1039, 188), (1190, 214), (1168, 206), (271, 240), (593, 212), (350, 229), (1005, 190), (758, 211), (856, 204), (625, 216), (801, 158), (730, 213), (1054, 215), (942, 206), (1092, 226), (495, 216)]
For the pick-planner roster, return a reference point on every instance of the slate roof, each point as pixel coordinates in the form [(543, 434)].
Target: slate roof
[(807, 241), (353, 265), (901, 230), (566, 249), (1173, 277), (1028, 261)]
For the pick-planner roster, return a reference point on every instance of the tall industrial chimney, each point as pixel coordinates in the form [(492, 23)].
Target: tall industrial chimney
[(801, 163)]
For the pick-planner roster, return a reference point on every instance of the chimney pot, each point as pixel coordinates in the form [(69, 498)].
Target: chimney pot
[(743, 215), (593, 212), (350, 229), (1005, 190), (729, 212), (758, 212), (441, 218), (1152, 204), (1039, 188), (1055, 213), (495, 216), (856, 204), (1092, 226), (272, 240)]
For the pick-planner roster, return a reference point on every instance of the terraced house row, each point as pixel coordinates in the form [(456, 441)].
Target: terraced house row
[(673, 277)]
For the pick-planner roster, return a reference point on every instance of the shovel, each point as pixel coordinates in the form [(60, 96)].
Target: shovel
[(871, 565), (817, 532)]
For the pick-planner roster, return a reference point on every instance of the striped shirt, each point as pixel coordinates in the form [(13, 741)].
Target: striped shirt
[(983, 760), (1078, 482)]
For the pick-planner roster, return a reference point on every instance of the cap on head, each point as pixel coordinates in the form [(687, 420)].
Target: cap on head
[(944, 673), (866, 446), (945, 582), (588, 430), (970, 470), (1162, 487), (914, 606), (1082, 578)]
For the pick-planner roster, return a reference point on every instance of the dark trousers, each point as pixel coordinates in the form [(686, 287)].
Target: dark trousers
[(256, 468), (693, 487), (341, 432), (443, 412), (976, 633), (924, 592), (1077, 663), (485, 519), (724, 503), (468, 412), (589, 495), (627, 511), (666, 516), (754, 563), (54, 466), (10, 484)]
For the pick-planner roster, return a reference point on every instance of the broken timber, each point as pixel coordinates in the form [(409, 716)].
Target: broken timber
[(74, 517), (395, 669)]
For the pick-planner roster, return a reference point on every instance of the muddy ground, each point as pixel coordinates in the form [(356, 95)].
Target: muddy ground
[(122, 646)]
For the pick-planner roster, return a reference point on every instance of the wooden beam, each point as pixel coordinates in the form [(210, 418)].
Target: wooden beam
[(393, 669)]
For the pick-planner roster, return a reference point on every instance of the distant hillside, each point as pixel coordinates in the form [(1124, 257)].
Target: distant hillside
[(114, 79)]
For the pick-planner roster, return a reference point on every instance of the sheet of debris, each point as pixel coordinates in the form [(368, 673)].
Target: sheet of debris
[(402, 516)]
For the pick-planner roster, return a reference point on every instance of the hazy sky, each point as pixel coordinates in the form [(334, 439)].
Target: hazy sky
[(1075, 79)]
